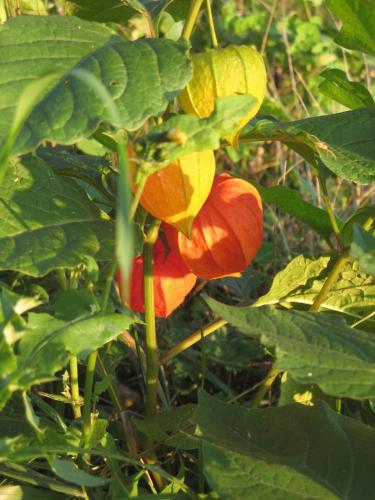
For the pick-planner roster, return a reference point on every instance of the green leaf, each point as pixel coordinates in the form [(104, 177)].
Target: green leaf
[(344, 142), (47, 344), (293, 452), (363, 249), (68, 471), (48, 221), (104, 11), (317, 348), (294, 276), (358, 21), (350, 94), (141, 77), (291, 202), (194, 134), (78, 337), (303, 278), (172, 428)]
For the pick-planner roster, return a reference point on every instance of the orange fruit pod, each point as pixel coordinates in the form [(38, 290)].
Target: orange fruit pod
[(172, 282), (236, 69), (227, 232), (176, 193)]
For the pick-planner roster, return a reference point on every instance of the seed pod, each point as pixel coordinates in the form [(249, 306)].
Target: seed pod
[(237, 69), (227, 232), (176, 193), (172, 282)]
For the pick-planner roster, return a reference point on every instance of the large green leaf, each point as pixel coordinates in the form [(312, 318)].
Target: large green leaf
[(344, 142), (358, 21), (293, 452), (336, 85), (303, 278), (291, 202), (48, 222), (141, 77), (48, 343), (315, 348)]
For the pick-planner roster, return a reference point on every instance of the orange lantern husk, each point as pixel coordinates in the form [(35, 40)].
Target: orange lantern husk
[(176, 193), (227, 232), (172, 282)]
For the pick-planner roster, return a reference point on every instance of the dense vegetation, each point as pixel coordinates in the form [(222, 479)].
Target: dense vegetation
[(256, 378)]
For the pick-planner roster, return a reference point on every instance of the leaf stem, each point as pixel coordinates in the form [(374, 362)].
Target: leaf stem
[(211, 24), (194, 9), (192, 339), (330, 281), (137, 197), (74, 386), (89, 384)]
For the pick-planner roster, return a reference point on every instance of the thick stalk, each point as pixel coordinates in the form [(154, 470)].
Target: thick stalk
[(89, 384), (192, 339), (151, 340), (74, 386), (194, 9)]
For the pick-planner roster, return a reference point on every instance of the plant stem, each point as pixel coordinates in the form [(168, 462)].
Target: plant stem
[(74, 386), (137, 197), (108, 285), (330, 281), (89, 384), (192, 339), (265, 387), (151, 340), (328, 203), (194, 9), (211, 25)]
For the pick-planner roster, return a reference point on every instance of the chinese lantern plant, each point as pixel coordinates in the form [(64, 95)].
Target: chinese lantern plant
[(227, 232), (236, 69), (176, 193), (172, 281)]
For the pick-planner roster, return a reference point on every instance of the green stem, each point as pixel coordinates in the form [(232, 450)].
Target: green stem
[(151, 340), (194, 9), (328, 204), (211, 25), (89, 384), (330, 281), (137, 197), (108, 285), (192, 339), (61, 276), (74, 386), (265, 387)]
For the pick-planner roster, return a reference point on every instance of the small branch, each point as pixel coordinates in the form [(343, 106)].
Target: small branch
[(192, 339), (74, 387), (265, 387), (194, 9), (211, 24)]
